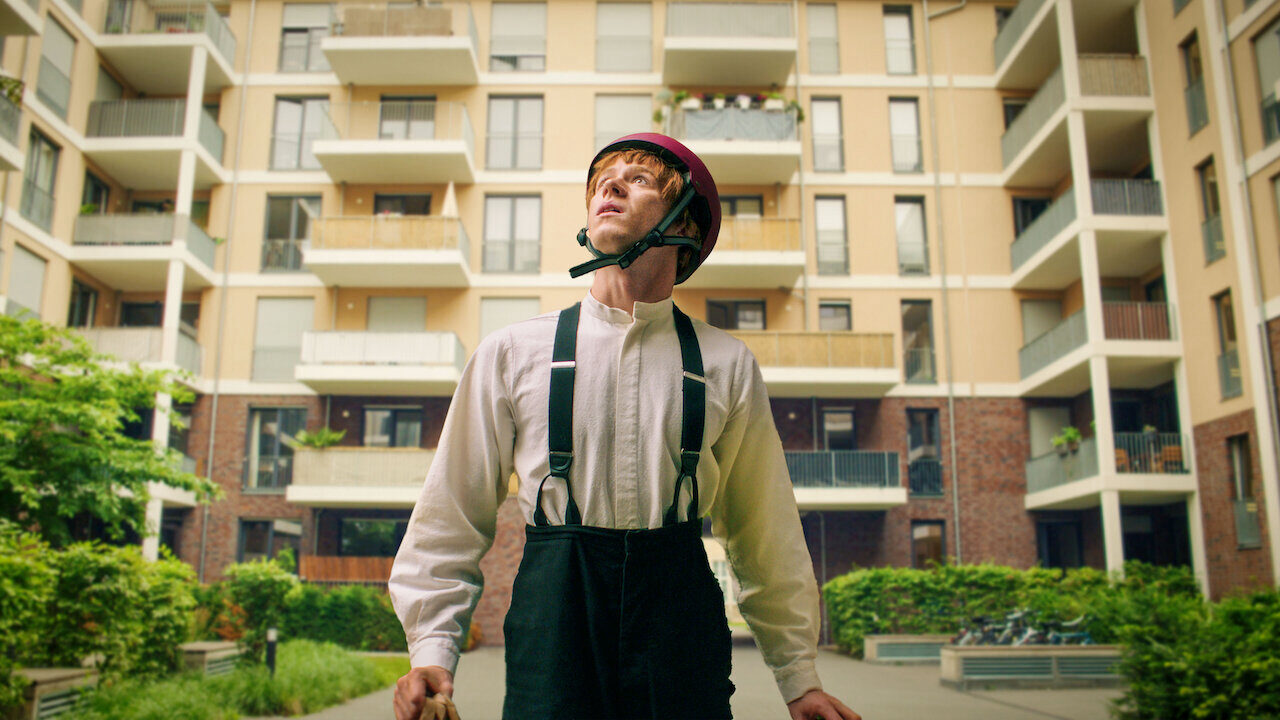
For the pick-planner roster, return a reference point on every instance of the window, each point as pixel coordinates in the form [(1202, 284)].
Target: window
[(369, 537), (1266, 52), (917, 340), (298, 123), (1059, 543), (741, 205), (402, 204), (1215, 246), (141, 314), (913, 253), (736, 314), (497, 313), (623, 37), (824, 43), (392, 427), (288, 224), (837, 430), (264, 539), (1002, 17), (904, 129), (108, 88), (84, 305), (518, 37), (38, 177), (829, 226), (515, 133), (924, 459), (407, 117), (1013, 107), (828, 140), (269, 446), (396, 314), (26, 283), (53, 85), (899, 41), (1248, 533), (1025, 212), (1193, 72), (1229, 380), (834, 316), (512, 233), (928, 547), (96, 192), (618, 115), (304, 26), (277, 346)]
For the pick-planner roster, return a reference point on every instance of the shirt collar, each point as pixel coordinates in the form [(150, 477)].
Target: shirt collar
[(643, 312)]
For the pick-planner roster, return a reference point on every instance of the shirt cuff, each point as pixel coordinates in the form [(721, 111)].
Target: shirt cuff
[(796, 679), (434, 651)]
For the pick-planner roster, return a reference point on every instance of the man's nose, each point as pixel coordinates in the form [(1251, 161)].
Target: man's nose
[(613, 186)]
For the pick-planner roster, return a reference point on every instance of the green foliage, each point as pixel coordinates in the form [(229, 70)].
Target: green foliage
[(26, 586), (259, 588), (12, 88), (62, 451), (354, 616), (322, 438)]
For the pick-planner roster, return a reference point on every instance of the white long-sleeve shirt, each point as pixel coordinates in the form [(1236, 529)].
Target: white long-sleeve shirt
[(627, 407)]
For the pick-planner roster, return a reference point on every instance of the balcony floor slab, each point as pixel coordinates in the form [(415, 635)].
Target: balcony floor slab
[(728, 61), (140, 268), (160, 63), (1134, 489), (419, 381), (423, 60), (748, 269), (354, 496), (395, 161), (389, 268), (830, 382), (850, 498)]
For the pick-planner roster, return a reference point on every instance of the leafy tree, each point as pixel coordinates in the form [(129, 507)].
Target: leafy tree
[(63, 454)]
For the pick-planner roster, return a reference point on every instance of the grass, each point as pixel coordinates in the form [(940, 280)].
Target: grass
[(310, 676)]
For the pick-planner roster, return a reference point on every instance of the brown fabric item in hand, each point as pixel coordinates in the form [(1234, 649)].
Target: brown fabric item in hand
[(439, 707)]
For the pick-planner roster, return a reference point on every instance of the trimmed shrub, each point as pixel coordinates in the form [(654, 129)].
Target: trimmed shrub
[(26, 587), (259, 589), (353, 616)]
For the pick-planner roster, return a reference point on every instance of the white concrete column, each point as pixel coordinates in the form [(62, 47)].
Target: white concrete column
[(1103, 427), (1195, 533), (172, 312), (1067, 46), (151, 538), (1113, 531), (191, 130)]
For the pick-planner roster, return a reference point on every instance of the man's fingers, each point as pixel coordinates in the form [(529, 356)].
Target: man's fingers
[(845, 712)]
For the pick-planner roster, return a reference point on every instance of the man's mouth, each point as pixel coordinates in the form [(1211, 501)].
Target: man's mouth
[(607, 208)]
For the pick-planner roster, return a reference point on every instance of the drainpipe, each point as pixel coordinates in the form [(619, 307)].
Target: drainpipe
[(804, 275), (942, 267), (226, 272)]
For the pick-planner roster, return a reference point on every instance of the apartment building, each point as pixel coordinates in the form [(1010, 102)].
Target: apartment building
[(952, 230)]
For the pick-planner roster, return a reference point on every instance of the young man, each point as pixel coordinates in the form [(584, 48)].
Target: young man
[(627, 424)]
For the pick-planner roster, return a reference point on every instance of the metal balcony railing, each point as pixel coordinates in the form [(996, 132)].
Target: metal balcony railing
[(843, 469), (1051, 470), (1039, 109), (53, 87), (10, 117), (210, 136), (383, 348), (434, 20), (924, 476), (818, 349), (833, 252), (1248, 531), (143, 344), (732, 123), (143, 229), (1197, 106), (282, 254), (1114, 75), (918, 365), (759, 233), (1138, 321), (1126, 197), (1153, 452), (729, 19), (197, 16), (387, 232), (399, 120), (1215, 247), (1229, 380), (37, 205), (1014, 27), (1270, 119), (1043, 229), (1054, 344), (151, 118)]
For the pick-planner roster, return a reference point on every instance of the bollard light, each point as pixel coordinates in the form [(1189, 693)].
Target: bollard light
[(272, 635)]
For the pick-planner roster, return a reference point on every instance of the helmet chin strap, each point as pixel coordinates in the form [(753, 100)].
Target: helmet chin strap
[(653, 238)]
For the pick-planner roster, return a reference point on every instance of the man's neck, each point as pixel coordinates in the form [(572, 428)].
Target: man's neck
[(650, 279)]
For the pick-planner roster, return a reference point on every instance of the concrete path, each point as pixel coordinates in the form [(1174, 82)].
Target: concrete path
[(877, 692)]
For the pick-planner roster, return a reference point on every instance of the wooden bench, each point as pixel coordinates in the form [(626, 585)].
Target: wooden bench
[(1031, 666), (212, 657), (904, 648), (52, 692)]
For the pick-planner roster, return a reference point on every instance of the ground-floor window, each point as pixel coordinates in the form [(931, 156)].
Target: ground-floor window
[(263, 539), (1059, 543), (366, 537), (928, 544)]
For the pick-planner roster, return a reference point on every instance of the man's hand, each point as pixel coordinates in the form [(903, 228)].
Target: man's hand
[(416, 686), (816, 704)]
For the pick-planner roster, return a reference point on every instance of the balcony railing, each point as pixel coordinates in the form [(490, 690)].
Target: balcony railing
[(143, 344), (732, 123), (399, 120), (37, 205), (1248, 532), (924, 476), (729, 19), (818, 349), (10, 116), (1197, 106), (361, 466), (1114, 75), (384, 232), (1054, 344), (143, 229), (1151, 453), (53, 87), (918, 365), (151, 118), (768, 234), (1051, 470), (1270, 119), (843, 469), (435, 20), (1039, 109), (1229, 380), (1013, 28), (907, 155), (1215, 247), (1044, 228), (210, 136), (1126, 197), (139, 16), (382, 348), (281, 254), (1138, 321)]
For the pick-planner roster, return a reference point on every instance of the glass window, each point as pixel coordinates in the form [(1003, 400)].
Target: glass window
[(264, 539), (828, 139), (1241, 467), (497, 313), (402, 204), (1025, 212), (1193, 72), (84, 305), (397, 314), (899, 41), (288, 225), (38, 177), (829, 226), (96, 192), (518, 37), (1207, 177), (141, 314), (928, 547), (392, 427), (834, 316), (837, 430), (618, 115), (904, 129), (26, 283), (512, 233), (741, 205), (303, 27), (108, 88), (515, 133), (824, 44), (277, 346), (1226, 322), (269, 446), (1059, 544), (367, 537), (1266, 52), (1002, 16), (1013, 107), (913, 254), (917, 340), (299, 121), (736, 314), (407, 117), (624, 38), (53, 85)]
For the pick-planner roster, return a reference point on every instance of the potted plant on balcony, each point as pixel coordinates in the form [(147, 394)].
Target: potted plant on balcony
[(717, 101), (743, 101), (687, 101), (1150, 432), (320, 439), (1072, 436), (88, 208), (774, 102)]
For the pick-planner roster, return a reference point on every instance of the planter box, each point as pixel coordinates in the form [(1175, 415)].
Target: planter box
[(52, 692), (904, 648), (210, 657), (1032, 666)]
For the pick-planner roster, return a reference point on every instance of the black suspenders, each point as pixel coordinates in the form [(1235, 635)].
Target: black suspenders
[(560, 415)]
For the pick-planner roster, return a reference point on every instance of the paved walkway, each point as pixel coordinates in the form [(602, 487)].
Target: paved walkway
[(877, 692)]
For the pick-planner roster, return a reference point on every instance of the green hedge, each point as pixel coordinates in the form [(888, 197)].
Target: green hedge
[(354, 616)]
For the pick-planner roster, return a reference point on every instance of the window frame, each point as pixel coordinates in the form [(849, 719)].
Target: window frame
[(288, 248), (514, 132), (733, 307), (604, 41), (396, 411), (844, 305), (942, 541), (83, 306), (917, 200), (303, 138), (898, 166), (512, 240), (838, 137), (899, 11), (250, 463), (314, 34), (834, 38), (830, 268), (522, 62)]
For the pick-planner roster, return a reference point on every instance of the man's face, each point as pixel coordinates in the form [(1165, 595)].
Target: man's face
[(627, 204)]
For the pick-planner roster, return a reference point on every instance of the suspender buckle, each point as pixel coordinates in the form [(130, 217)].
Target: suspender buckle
[(560, 463), (689, 462)]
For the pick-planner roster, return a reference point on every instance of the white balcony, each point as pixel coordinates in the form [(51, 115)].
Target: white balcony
[(411, 142), (20, 17), (741, 146), (389, 251), (729, 43), (824, 364), (753, 253), (381, 363), (1140, 344), (132, 252), (150, 44), (417, 45), (1145, 472), (140, 143), (143, 345), (846, 479), (358, 477), (10, 119)]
